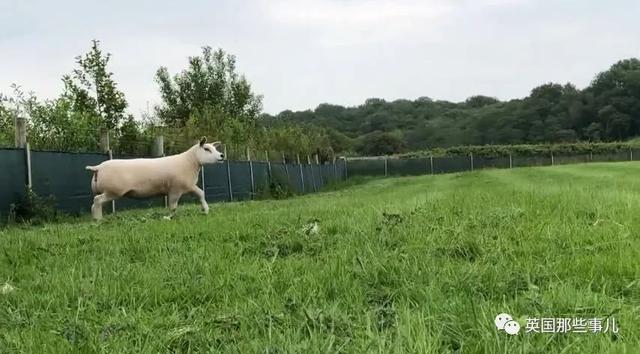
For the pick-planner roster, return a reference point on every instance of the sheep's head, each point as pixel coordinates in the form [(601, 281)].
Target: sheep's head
[(207, 153)]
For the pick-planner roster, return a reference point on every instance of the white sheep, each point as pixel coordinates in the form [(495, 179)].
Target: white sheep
[(142, 178)]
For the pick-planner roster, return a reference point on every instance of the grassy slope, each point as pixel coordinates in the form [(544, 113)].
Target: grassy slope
[(454, 251)]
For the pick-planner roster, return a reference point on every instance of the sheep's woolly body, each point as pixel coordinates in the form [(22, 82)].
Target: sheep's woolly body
[(141, 178)]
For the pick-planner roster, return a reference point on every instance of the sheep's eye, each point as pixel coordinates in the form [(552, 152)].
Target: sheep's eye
[(207, 149)]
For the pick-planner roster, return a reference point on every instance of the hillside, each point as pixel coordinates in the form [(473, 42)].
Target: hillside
[(607, 110)]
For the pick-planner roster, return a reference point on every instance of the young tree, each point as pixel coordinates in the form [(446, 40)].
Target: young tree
[(210, 81), (92, 90)]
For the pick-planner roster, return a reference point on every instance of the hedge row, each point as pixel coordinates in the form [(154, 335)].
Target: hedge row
[(526, 150)]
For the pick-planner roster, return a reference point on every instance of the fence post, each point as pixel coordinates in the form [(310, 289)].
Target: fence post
[(104, 140), (28, 155), (471, 159), (591, 156), (630, 154), (228, 175), (510, 161), (301, 174), (202, 177), (113, 202), (313, 179), (319, 171), (21, 132), (335, 170), (346, 171), (552, 163), (386, 167), (431, 163), (253, 186), (266, 155), (286, 169), (158, 146)]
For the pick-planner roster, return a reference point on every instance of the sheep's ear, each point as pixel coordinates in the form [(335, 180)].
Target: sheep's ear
[(203, 140), (216, 143)]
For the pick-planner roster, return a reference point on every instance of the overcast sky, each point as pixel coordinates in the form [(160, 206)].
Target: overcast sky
[(300, 53)]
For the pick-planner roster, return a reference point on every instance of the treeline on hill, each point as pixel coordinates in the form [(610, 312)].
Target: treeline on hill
[(207, 98), (210, 98), (607, 110)]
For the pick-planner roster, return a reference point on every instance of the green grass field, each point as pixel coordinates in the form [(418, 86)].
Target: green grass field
[(418, 265)]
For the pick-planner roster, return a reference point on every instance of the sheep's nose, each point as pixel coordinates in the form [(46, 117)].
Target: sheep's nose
[(222, 156)]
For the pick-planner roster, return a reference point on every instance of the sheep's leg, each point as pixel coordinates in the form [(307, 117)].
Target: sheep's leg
[(173, 204), (98, 200), (203, 202)]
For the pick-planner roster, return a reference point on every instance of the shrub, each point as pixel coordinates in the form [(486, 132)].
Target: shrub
[(33, 209)]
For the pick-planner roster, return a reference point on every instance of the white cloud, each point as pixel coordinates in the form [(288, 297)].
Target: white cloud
[(360, 22)]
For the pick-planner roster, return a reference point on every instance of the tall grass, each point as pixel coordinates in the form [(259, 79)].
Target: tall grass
[(420, 265)]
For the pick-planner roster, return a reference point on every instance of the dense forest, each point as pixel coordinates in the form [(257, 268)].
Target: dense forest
[(210, 98), (607, 110)]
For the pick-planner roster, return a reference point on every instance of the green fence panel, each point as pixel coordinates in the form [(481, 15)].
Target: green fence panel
[(320, 180), (372, 167), (526, 161), (328, 173), (216, 182), (64, 176), (482, 162), (12, 178), (408, 167), (240, 180), (309, 179), (570, 159), (294, 178), (612, 157), (451, 164), (280, 176), (260, 176)]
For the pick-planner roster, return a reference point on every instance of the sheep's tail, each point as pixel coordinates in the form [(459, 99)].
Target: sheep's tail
[(94, 180)]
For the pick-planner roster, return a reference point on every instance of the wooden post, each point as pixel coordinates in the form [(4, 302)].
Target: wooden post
[(228, 175), (431, 163), (471, 158), (28, 155), (335, 170), (552, 163), (591, 156), (301, 174), (253, 186), (104, 140), (21, 132), (113, 202), (510, 161), (630, 154), (158, 146), (386, 167)]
